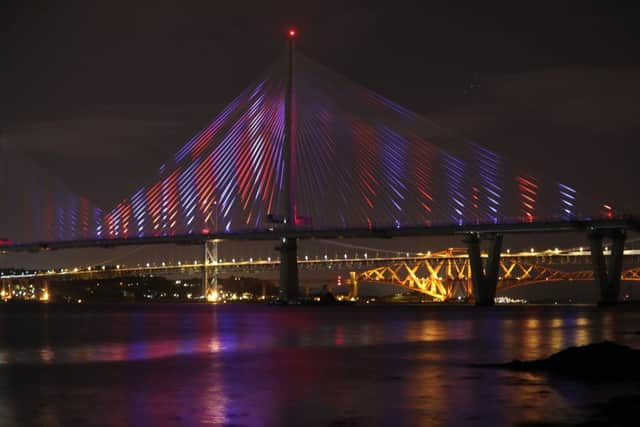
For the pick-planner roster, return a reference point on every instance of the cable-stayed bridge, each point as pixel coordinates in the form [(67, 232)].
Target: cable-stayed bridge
[(305, 153)]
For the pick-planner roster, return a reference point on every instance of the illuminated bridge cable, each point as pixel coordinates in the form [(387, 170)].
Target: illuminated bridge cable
[(362, 161)]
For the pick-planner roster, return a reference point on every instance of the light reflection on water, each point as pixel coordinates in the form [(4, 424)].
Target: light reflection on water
[(260, 365)]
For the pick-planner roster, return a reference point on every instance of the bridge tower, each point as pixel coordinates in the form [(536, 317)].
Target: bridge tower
[(289, 247), (484, 280), (210, 271), (607, 277)]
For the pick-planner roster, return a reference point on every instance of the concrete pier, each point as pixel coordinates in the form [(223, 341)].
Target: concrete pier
[(607, 277), (484, 280)]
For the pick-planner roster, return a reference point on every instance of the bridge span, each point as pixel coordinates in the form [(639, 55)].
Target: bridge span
[(303, 153), (442, 276)]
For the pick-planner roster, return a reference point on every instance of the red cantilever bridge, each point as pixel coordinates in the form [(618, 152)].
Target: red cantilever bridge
[(304, 153)]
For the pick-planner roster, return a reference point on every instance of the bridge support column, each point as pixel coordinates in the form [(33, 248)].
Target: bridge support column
[(44, 290), (484, 281), (289, 268), (607, 279), (354, 284), (210, 271), (4, 295)]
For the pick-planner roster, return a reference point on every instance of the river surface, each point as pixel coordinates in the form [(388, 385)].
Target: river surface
[(257, 365)]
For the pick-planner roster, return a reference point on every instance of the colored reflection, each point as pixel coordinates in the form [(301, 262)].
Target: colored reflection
[(257, 365)]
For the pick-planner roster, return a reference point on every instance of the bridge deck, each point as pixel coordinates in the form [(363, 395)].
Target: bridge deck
[(629, 224)]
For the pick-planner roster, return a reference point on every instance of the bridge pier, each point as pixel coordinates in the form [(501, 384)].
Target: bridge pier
[(354, 284), (210, 278), (607, 278), (484, 280), (289, 268)]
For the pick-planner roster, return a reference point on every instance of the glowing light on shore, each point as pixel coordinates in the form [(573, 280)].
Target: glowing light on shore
[(213, 296)]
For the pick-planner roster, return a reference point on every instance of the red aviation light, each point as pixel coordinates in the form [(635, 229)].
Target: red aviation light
[(292, 33)]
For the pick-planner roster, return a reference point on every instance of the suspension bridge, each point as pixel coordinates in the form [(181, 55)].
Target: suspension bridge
[(304, 153)]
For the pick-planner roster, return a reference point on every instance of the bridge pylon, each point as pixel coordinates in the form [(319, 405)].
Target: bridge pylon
[(289, 248), (607, 277), (210, 271), (484, 280)]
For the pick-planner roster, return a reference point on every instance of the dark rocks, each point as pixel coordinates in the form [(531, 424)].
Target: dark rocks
[(600, 361)]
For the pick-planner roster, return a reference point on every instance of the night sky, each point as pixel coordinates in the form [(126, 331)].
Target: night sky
[(102, 92)]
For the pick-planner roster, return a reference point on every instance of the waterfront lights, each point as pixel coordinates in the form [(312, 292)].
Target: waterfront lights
[(213, 296)]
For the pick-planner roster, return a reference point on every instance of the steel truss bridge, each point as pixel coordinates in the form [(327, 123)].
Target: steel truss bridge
[(443, 275)]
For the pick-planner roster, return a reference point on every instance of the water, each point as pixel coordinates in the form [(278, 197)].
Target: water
[(250, 365)]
